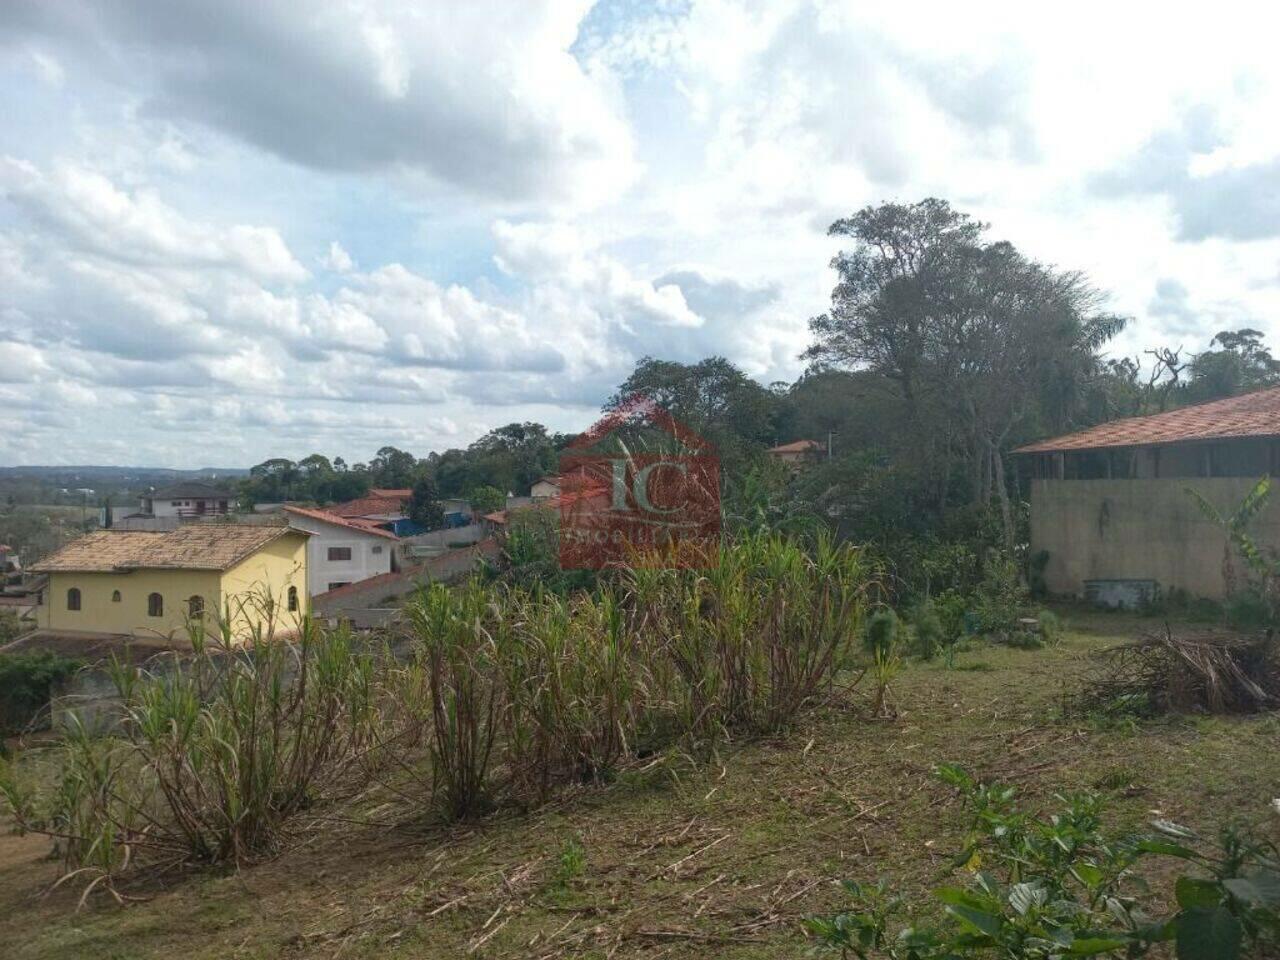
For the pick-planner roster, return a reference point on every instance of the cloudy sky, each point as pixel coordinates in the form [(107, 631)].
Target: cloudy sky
[(245, 229)]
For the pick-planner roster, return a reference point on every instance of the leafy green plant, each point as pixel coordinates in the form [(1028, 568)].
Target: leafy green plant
[(212, 757), (881, 635), (747, 643), (1050, 625), (1000, 597), (571, 864), (26, 681), (927, 633), (1058, 886), (456, 667)]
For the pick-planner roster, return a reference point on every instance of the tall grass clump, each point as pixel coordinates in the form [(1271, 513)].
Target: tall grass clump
[(748, 642), (458, 673), (213, 757), (575, 684)]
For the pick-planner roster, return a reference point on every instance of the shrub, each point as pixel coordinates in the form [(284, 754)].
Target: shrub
[(455, 680), (928, 634), (746, 644), (1247, 610), (1058, 886), (26, 681), (999, 598), (881, 635), (213, 757), (1050, 626)]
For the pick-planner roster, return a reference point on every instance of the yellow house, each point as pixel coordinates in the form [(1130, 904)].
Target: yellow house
[(147, 583)]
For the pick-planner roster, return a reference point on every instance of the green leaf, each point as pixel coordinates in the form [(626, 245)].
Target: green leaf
[(1261, 888), (1168, 849), (1088, 946), (1175, 829), (1208, 935), (1023, 897), (1197, 894), (1088, 874), (971, 910)]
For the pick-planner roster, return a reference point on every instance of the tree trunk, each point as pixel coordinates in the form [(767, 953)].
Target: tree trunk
[(1002, 492)]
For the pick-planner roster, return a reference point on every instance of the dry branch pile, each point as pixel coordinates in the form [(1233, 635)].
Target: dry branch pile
[(1205, 673)]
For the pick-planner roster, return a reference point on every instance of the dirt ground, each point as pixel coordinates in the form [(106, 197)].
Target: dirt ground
[(676, 859)]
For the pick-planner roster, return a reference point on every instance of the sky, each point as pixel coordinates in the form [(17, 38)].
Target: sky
[(247, 229)]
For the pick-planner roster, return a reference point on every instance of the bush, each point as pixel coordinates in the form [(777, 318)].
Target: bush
[(214, 757), (455, 681), (1059, 886), (999, 599), (881, 635), (26, 681), (928, 635), (1050, 626), (746, 644), (1247, 610)]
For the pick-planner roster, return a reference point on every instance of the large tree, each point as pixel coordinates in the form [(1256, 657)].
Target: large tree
[(982, 341)]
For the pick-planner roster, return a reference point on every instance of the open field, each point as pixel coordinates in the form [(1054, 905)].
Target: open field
[(675, 859)]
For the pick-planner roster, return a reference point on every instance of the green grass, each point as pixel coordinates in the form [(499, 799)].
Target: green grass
[(719, 859)]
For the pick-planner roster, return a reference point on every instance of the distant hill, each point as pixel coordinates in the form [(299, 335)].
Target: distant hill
[(54, 485)]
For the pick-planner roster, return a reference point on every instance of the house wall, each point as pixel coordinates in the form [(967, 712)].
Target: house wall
[(98, 613), (269, 572), (364, 562), (188, 507), (543, 490), (1141, 529)]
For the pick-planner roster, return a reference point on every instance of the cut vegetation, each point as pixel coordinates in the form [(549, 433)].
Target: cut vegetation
[(723, 855)]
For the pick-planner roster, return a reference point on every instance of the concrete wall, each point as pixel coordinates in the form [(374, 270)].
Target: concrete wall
[(1140, 529)]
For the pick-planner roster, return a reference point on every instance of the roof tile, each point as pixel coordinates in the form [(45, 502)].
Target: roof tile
[(195, 546), (1255, 414)]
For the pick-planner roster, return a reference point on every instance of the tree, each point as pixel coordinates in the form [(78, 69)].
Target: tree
[(981, 341), (424, 504), (487, 499), (392, 468), (1236, 362), (711, 396)]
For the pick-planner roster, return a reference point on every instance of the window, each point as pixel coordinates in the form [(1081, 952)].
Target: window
[(339, 553), (73, 598), (195, 607), (293, 599), (377, 548), (155, 605), (339, 583), (115, 596)]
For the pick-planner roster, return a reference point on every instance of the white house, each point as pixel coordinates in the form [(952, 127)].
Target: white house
[(545, 488), (187, 500), (341, 550)]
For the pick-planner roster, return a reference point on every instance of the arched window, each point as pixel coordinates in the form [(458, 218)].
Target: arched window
[(115, 596), (155, 605), (293, 599), (73, 598), (195, 607)]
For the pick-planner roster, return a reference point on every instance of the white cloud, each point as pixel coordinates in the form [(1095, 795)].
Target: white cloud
[(337, 259), (542, 192)]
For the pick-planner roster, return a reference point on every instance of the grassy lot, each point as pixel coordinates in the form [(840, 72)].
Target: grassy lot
[(678, 860)]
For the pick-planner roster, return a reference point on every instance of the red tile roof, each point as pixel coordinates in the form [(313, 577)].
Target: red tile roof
[(797, 446), (373, 505), (354, 523), (1255, 414), (391, 493)]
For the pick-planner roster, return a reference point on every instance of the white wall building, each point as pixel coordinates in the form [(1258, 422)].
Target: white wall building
[(545, 489), (188, 500), (341, 550)]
